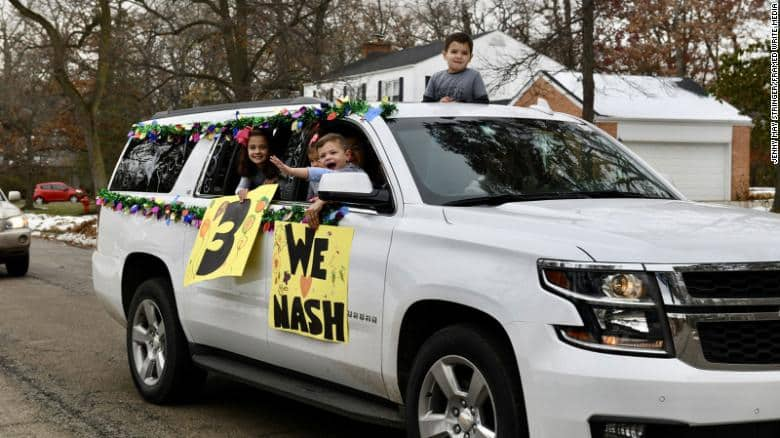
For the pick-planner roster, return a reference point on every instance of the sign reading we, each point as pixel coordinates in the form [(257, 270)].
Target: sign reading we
[(227, 235), (309, 281)]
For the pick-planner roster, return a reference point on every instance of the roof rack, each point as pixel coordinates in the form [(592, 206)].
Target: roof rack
[(238, 105)]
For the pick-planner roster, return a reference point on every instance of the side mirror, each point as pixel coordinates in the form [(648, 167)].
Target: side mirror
[(14, 196), (354, 188)]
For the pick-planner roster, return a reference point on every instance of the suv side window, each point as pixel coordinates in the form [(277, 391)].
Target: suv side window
[(220, 173), (148, 166), (298, 156), (220, 176)]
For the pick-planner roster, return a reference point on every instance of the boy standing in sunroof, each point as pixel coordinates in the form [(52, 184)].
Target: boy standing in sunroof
[(458, 83)]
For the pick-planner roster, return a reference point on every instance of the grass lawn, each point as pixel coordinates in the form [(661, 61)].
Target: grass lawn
[(60, 208)]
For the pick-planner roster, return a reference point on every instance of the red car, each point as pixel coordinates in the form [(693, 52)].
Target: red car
[(56, 191)]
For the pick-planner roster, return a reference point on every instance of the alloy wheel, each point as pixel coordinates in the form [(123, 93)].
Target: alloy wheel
[(455, 401), (149, 342)]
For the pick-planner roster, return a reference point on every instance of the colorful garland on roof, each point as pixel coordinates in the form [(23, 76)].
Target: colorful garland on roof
[(295, 120), (176, 211)]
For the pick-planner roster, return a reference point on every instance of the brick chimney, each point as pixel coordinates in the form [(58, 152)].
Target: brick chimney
[(377, 46)]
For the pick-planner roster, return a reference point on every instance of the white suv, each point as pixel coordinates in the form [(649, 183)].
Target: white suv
[(513, 273)]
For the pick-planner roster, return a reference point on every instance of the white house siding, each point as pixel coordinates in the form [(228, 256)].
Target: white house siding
[(696, 157), (491, 50)]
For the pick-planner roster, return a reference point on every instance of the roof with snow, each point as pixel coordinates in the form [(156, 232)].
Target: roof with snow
[(646, 97), (398, 58)]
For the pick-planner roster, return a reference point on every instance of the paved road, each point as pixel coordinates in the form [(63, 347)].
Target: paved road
[(63, 371)]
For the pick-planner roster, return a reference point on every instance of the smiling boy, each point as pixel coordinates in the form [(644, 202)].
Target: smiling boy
[(334, 156), (458, 83)]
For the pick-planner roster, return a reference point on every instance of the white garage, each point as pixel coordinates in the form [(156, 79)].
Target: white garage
[(700, 170), (701, 144)]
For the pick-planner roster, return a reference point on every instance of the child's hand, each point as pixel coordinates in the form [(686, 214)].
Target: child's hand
[(279, 163), (242, 194), (313, 213), (446, 99)]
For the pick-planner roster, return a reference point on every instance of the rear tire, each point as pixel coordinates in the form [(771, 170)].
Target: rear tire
[(39, 200), (463, 383), (157, 349), (18, 267)]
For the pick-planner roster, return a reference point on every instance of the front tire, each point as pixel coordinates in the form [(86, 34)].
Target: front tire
[(39, 200), (462, 384), (157, 349), (18, 267), (73, 199)]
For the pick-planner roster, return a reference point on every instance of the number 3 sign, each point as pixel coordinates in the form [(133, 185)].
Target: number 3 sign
[(226, 235)]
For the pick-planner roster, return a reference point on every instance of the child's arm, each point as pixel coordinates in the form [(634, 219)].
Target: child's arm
[(298, 172)]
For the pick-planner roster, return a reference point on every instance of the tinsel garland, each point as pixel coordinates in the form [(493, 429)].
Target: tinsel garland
[(150, 207), (176, 211), (295, 120)]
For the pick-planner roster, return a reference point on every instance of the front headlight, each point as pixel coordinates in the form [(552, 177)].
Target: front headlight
[(16, 222), (620, 306)]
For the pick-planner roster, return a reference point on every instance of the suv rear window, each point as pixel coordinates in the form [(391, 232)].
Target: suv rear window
[(148, 166)]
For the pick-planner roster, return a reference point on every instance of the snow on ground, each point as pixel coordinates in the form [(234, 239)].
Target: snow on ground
[(75, 230)]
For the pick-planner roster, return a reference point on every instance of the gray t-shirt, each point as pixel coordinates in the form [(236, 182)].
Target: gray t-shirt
[(251, 182), (464, 86)]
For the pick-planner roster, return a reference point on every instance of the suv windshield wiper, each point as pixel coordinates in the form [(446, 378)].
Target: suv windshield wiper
[(619, 194), (514, 197)]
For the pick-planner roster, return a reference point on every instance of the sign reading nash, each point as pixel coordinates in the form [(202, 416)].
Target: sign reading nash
[(226, 235), (309, 281)]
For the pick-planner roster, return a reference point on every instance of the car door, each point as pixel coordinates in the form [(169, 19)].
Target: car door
[(225, 312), (357, 363), (59, 192)]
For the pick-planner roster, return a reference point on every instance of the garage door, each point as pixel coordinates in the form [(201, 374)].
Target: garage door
[(699, 171)]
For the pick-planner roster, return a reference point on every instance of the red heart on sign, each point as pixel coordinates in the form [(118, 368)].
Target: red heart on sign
[(305, 286)]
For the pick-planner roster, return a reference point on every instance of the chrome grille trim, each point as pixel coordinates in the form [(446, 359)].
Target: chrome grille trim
[(683, 323), (671, 276), (687, 343)]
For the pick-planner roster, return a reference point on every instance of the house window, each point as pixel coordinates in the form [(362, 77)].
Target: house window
[(394, 90)]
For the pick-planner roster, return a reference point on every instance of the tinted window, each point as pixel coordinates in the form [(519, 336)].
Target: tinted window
[(151, 166), (454, 160), (220, 177), (220, 172)]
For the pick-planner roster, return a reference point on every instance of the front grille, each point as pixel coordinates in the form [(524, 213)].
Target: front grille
[(741, 342), (733, 284)]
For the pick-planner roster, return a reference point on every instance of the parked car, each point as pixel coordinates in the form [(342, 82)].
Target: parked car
[(14, 236), (56, 191), (514, 272)]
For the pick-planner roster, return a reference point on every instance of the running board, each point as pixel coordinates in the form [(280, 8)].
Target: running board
[(367, 408)]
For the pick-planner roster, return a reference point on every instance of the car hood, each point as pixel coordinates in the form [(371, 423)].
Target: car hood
[(8, 210), (635, 230)]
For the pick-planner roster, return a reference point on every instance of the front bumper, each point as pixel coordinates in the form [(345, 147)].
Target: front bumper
[(14, 243), (565, 387)]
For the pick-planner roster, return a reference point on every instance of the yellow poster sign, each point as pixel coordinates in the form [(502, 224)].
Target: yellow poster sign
[(226, 235), (309, 281)]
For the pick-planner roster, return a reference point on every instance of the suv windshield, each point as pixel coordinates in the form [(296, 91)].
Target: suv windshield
[(471, 161)]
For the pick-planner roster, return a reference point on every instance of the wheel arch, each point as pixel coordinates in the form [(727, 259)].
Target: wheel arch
[(139, 267), (424, 318)]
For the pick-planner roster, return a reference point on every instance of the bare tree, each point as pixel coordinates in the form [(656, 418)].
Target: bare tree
[(587, 60), (79, 60), (243, 49)]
